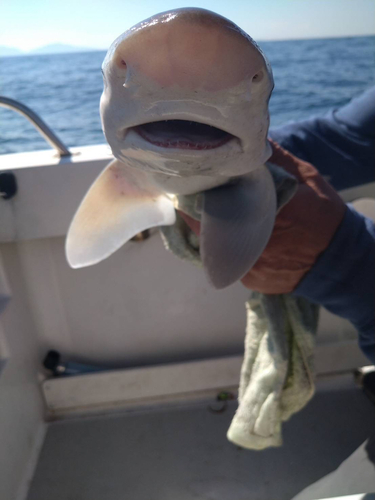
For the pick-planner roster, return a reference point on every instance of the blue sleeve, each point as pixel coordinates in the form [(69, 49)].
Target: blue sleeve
[(341, 144), (343, 278)]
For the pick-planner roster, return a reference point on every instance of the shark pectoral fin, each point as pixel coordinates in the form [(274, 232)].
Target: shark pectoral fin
[(237, 222), (121, 203)]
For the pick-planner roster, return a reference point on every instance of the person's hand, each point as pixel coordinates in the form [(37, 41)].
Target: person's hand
[(303, 229)]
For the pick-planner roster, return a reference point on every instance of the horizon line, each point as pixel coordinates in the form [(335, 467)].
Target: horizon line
[(99, 49)]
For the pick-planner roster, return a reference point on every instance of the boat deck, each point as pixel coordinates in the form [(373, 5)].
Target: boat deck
[(180, 452)]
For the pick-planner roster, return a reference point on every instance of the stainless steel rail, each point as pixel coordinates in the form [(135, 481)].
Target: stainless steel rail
[(38, 123)]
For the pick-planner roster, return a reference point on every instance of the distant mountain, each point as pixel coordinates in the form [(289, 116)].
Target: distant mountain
[(9, 51), (54, 48), (60, 48)]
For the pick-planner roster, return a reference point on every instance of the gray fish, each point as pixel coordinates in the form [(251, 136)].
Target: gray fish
[(184, 110)]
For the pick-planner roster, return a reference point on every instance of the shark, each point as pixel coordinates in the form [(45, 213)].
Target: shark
[(184, 110)]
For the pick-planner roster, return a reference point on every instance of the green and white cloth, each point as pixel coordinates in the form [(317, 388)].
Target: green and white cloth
[(277, 375)]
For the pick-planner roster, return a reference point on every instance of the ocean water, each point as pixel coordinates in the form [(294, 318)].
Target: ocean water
[(311, 77)]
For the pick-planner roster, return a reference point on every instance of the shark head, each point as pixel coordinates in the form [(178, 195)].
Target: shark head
[(184, 110), (186, 95)]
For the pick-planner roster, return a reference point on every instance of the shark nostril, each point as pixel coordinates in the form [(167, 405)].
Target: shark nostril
[(120, 62), (258, 77)]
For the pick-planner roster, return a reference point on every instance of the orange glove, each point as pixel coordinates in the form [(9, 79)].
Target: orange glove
[(303, 229)]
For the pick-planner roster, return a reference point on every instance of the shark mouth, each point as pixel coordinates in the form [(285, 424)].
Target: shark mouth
[(183, 134)]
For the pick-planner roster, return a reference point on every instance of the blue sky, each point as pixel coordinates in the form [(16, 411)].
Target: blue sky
[(27, 24)]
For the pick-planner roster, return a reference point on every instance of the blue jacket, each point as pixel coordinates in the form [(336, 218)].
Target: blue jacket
[(341, 145)]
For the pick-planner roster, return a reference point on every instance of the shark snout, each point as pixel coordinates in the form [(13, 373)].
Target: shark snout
[(190, 49)]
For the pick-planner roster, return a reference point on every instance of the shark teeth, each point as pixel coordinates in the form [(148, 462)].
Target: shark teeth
[(183, 134)]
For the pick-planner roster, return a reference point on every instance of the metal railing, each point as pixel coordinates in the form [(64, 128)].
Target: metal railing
[(38, 123)]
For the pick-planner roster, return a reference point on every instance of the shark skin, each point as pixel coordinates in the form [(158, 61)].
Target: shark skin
[(184, 110)]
